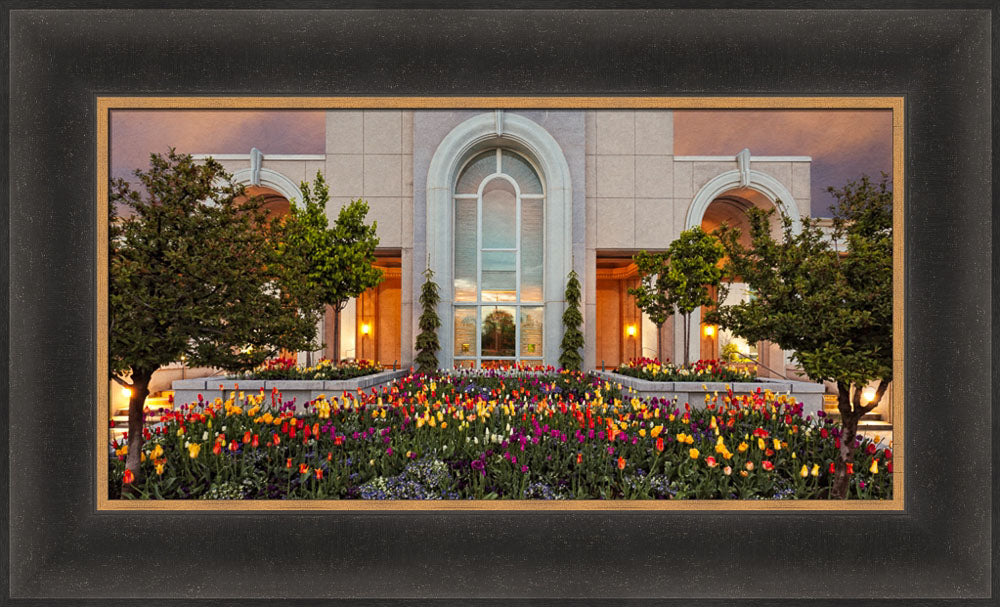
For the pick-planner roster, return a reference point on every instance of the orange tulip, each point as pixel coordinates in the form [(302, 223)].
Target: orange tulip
[(128, 477), (621, 463), (659, 444)]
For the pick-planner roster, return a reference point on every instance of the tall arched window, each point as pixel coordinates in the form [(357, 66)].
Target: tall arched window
[(499, 202)]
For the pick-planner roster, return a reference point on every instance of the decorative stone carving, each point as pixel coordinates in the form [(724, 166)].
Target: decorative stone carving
[(256, 159), (743, 163)]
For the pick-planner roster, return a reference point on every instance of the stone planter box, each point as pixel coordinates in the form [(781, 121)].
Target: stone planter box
[(808, 393), (303, 391)]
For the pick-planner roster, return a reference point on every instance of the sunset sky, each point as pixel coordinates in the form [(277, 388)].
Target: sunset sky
[(844, 144)]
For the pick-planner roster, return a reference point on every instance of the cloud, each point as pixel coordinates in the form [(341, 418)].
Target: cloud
[(844, 144), (135, 134)]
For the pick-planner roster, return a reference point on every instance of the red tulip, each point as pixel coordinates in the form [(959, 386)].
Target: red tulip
[(255, 442), (128, 477), (833, 468), (659, 443), (767, 465), (850, 468), (288, 463)]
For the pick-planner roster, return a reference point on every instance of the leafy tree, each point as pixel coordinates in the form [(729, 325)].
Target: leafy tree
[(339, 259), (572, 339), (678, 279), (499, 328), (194, 274), (427, 340), (826, 297)]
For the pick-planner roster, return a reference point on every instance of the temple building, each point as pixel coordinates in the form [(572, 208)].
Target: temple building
[(501, 205)]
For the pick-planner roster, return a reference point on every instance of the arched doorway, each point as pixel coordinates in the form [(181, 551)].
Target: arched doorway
[(725, 199), (493, 169)]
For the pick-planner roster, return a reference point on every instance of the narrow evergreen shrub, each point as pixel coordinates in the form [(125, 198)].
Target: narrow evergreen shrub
[(427, 340), (572, 339)]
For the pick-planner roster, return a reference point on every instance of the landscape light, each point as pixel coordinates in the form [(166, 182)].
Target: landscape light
[(709, 330), (366, 328), (630, 330)]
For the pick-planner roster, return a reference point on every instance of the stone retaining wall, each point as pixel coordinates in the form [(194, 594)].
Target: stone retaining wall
[(302, 390), (808, 393)]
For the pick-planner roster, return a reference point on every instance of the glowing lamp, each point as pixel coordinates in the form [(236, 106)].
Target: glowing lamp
[(709, 330), (630, 330), (366, 329), (126, 392), (867, 395)]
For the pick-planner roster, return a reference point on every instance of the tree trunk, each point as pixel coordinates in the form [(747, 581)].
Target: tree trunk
[(336, 336), (851, 412), (659, 342), (140, 390), (687, 339), (849, 419)]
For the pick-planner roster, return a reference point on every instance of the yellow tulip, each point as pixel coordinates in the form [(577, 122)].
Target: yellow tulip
[(159, 468), (777, 445), (761, 444), (743, 447), (804, 472), (694, 453), (815, 470), (193, 450), (656, 429), (874, 468), (157, 452)]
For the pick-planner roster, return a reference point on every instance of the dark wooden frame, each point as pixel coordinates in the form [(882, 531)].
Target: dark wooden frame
[(59, 550)]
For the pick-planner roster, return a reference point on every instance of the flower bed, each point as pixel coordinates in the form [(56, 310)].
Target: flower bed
[(286, 368), (651, 369), (542, 435)]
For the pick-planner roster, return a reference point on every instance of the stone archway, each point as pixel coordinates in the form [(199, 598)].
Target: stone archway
[(504, 130)]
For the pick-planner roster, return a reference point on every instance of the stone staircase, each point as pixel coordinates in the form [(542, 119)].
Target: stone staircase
[(871, 422), (155, 405)]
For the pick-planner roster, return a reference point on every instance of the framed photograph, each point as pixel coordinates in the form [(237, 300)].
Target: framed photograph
[(509, 165)]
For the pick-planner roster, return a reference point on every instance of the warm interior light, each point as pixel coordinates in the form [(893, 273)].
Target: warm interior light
[(867, 395), (630, 330), (126, 392), (366, 329), (709, 330)]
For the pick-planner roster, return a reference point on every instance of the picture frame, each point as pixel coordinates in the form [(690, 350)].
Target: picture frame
[(63, 550)]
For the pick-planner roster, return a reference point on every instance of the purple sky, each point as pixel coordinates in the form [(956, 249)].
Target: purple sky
[(844, 144)]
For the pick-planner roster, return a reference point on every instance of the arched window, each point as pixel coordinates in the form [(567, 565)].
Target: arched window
[(498, 278)]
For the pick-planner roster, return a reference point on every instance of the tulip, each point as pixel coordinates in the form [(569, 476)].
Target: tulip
[(128, 477), (727, 470), (303, 469), (276, 439), (193, 450), (579, 458), (217, 449), (767, 465), (815, 470), (749, 466), (159, 469), (288, 463), (255, 441), (874, 467), (319, 474), (659, 444), (804, 472), (850, 468), (246, 437), (621, 463), (710, 461), (761, 444), (694, 453), (833, 467)]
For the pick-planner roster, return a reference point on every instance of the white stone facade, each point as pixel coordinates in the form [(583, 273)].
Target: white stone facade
[(612, 184)]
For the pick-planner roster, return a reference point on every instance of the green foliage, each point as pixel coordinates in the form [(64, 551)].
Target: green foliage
[(339, 259), (827, 300), (194, 273), (572, 339), (427, 340), (679, 278)]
